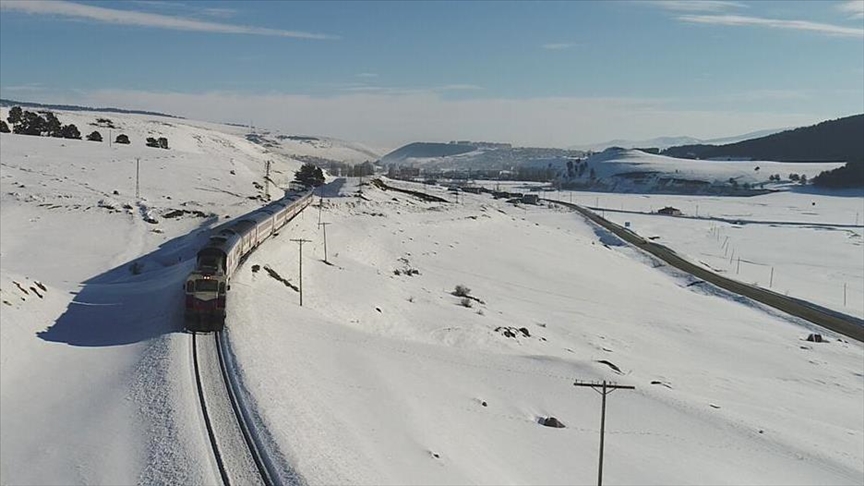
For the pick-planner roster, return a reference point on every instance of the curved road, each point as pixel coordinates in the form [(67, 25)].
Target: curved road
[(847, 325)]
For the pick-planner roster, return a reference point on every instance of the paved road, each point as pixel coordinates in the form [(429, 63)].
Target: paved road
[(847, 325)]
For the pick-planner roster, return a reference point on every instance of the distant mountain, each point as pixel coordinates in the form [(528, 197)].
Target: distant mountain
[(426, 150), (472, 156), (840, 140), (23, 104), (663, 143)]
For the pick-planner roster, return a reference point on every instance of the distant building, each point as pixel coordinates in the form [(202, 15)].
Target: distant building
[(670, 211), (530, 199)]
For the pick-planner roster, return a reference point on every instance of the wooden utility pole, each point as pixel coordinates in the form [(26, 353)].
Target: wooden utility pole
[(267, 180), (137, 173), (301, 241), (603, 389), (324, 226), (320, 204)]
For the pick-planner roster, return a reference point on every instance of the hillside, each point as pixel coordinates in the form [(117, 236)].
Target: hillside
[(840, 140), (467, 156), (619, 170)]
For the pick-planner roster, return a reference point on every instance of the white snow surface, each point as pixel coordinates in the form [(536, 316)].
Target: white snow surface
[(383, 378), (616, 162)]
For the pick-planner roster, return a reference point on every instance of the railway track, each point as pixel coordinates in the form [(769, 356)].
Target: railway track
[(237, 452), (838, 322)]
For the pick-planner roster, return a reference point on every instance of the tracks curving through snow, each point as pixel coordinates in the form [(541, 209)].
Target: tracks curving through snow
[(239, 455)]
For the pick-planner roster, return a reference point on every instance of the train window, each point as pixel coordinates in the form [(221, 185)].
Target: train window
[(206, 285), (190, 286)]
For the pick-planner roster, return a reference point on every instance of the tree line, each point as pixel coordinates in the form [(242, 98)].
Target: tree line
[(25, 122)]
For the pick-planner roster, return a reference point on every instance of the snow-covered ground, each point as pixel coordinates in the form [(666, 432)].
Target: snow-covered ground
[(813, 242), (381, 378), (384, 378), (619, 170)]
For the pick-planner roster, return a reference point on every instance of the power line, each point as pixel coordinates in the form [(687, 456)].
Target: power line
[(603, 389)]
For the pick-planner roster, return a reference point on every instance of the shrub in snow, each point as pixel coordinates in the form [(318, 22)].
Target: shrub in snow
[(152, 142), (163, 142), (95, 137), (462, 291), (70, 131), (816, 338), (466, 302), (122, 138), (4, 128), (552, 422)]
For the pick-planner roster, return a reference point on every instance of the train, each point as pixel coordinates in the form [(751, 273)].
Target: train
[(206, 288)]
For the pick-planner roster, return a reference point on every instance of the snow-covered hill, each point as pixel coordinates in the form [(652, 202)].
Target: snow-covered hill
[(383, 376), (619, 170), (303, 147)]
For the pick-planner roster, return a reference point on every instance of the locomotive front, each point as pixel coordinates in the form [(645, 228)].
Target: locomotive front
[(206, 290)]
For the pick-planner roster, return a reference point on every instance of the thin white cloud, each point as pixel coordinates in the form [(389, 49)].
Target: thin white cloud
[(367, 75), (766, 95), (853, 8), (458, 87), (698, 5), (25, 88), (805, 25), (556, 46), (144, 19), (219, 12), (401, 91)]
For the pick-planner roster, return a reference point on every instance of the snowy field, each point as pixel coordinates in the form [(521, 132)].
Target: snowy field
[(384, 377), (381, 378), (812, 241)]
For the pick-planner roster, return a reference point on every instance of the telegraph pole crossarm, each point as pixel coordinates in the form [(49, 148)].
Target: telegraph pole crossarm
[(301, 241), (604, 388)]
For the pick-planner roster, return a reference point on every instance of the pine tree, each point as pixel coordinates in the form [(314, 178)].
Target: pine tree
[(309, 175), (15, 115), (52, 125)]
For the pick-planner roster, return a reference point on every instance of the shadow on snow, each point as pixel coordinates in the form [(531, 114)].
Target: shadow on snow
[(121, 307)]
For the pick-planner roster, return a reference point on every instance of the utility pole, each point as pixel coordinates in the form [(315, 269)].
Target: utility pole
[(324, 227), (137, 173), (603, 389), (301, 241), (267, 179), (320, 205), (771, 282)]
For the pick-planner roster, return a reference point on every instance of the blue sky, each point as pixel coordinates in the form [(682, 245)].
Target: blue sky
[(557, 73)]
